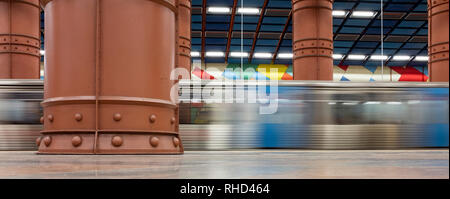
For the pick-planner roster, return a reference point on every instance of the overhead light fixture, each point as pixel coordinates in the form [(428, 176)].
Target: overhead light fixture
[(350, 103), (379, 57), (363, 14), (285, 55), (248, 10), (339, 13), (42, 52), (372, 102), (195, 54), (262, 55), (421, 58), (356, 57), (337, 56), (215, 54), (238, 54), (219, 10), (413, 101), (401, 58)]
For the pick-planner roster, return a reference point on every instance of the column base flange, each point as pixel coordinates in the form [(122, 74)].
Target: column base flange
[(110, 143)]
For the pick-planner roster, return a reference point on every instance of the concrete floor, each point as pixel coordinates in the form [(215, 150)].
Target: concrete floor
[(233, 164)]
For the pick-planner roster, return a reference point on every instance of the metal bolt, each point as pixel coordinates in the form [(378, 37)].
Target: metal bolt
[(78, 117), (153, 118), (47, 140), (117, 117), (117, 141), (38, 141), (42, 120), (50, 118), (154, 141), (76, 141), (172, 120), (176, 142)]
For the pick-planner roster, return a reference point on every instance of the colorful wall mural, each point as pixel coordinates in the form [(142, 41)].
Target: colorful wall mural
[(222, 71)]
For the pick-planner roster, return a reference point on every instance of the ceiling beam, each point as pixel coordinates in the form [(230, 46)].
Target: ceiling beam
[(258, 27), (230, 30), (286, 25), (203, 30), (404, 43), (345, 20), (424, 49), (393, 28), (362, 34)]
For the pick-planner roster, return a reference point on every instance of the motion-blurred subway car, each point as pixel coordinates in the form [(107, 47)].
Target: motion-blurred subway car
[(218, 115)]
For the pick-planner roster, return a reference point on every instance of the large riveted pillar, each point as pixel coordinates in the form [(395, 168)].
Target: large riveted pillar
[(312, 43), (19, 39), (107, 87), (438, 40)]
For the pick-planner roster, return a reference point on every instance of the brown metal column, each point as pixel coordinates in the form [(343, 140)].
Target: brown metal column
[(107, 84), (184, 51), (19, 39), (312, 24), (438, 40), (184, 35)]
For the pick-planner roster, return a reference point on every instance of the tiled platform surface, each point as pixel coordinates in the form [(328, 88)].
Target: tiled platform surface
[(232, 164)]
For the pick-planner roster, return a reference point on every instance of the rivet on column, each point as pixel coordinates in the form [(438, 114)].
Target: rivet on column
[(42, 120), (78, 117), (38, 141), (152, 118), (117, 117), (172, 120), (117, 141), (47, 140), (154, 141), (50, 118), (76, 141), (176, 142)]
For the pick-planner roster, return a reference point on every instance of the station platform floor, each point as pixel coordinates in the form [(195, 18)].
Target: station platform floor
[(273, 164)]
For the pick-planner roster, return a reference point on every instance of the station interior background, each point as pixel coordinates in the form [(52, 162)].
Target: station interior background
[(391, 123)]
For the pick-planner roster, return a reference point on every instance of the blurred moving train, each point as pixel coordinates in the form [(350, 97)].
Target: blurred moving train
[(219, 115)]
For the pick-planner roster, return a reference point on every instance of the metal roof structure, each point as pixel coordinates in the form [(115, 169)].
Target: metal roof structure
[(228, 33)]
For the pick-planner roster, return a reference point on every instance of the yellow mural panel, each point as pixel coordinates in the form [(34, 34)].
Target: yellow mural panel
[(272, 71)]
